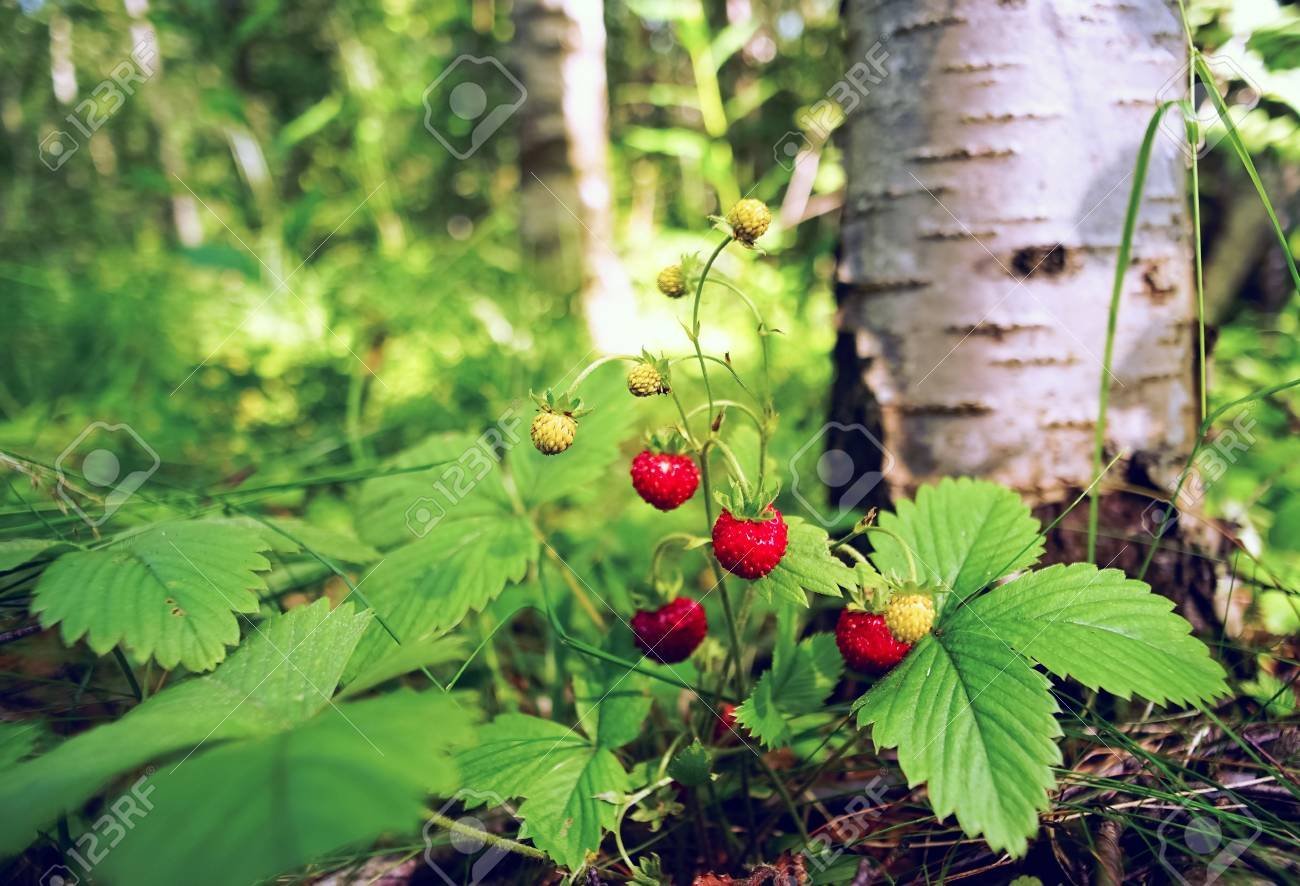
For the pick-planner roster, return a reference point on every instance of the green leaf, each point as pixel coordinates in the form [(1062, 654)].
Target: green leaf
[(808, 565), (17, 552), (246, 811), (611, 701), (327, 543), (170, 592), (284, 674), (458, 477), (1103, 629), (542, 479), (692, 765), (962, 534), (974, 721), (798, 682), (558, 772), (428, 587)]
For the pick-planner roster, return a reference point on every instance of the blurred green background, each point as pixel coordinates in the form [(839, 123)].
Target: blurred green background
[(265, 264)]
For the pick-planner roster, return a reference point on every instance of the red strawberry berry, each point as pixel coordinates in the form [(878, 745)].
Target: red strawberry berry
[(672, 632), (750, 548), (724, 722), (663, 479), (866, 643)]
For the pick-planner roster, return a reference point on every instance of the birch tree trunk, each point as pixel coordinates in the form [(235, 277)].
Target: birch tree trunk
[(987, 182), (566, 223), (988, 176)]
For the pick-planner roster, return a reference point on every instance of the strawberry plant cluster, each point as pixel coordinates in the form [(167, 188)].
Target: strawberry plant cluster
[(680, 697)]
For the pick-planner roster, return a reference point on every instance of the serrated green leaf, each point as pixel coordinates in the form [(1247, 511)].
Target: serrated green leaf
[(170, 592), (808, 565), (612, 702), (962, 534), (1103, 629), (246, 811), (464, 481), (542, 479), (558, 772), (17, 552), (428, 587), (257, 691), (327, 543), (797, 683), (692, 765), (974, 721)]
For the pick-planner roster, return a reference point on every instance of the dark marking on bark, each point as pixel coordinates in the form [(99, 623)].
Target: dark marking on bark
[(1040, 261), (995, 331), (1157, 376), (926, 24), (956, 234), (1156, 283), (942, 155), (967, 407), (885, 285), (1012, 117), (1070, 424), (978, 67), (1052, 360)]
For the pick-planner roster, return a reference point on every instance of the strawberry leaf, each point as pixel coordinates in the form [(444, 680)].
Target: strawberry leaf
[(284, 674), (558, 772), (798, 683), (808, 565), (428, 587), (170, 592), (962, 534), (974, 721), (1103, 629), (243, 812)]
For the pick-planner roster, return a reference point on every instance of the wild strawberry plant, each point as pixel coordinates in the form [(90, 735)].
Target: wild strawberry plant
[(945, 617)]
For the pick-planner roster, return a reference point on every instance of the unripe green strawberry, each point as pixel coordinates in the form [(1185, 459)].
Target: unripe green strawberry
[(644, 380), (672, 282), (553, 432), (909, 616), (749, 220)]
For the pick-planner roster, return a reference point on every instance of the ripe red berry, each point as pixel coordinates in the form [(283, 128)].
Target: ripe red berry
[(663, 479), (724, 722), (672, 632), (866, 643), (750, 548)]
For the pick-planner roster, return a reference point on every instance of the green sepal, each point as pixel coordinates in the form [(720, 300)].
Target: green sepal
[(561, 404), (692, 765), (745, 504)]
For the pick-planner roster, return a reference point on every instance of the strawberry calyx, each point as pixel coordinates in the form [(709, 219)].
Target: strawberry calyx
[(559, 404), (744, 503)]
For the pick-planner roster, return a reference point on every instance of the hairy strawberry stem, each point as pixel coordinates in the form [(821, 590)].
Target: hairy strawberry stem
[(593, 366)]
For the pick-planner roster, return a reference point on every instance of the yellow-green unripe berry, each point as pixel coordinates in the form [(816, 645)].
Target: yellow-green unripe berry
[(909, 617), (644, 380), (672, 282), (749, 220), (553, 432)]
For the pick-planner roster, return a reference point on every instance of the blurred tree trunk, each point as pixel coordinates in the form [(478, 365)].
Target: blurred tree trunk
[(988, 175), (566, 220)]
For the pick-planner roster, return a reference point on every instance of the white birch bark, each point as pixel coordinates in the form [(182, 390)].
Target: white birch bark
[(987, 181)]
